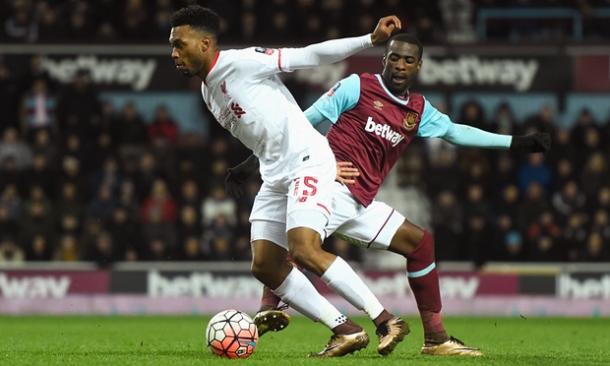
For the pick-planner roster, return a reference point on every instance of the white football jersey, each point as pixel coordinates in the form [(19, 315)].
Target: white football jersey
[(246, 96)]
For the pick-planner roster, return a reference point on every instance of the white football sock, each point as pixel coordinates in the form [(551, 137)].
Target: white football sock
[(298, 292), (341, 277)]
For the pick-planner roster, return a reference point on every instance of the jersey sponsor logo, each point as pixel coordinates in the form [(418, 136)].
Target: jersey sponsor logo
[(383, 130), (410, 120), (266, 51), (237, 110), (378, 105)]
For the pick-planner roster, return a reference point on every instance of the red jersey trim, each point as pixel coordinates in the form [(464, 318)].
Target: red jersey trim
[(213, 65), (324, 207), (279, 59), (381, 228)]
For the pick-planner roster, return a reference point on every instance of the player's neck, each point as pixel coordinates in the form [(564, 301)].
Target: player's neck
[(210, 65), (404, 94)]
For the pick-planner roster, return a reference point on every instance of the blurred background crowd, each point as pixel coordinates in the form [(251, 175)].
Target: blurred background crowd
[(442, 21), (81, 179)]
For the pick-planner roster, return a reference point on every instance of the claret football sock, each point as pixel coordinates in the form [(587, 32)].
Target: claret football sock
[(298, 292), (423, 279), (341, 277)]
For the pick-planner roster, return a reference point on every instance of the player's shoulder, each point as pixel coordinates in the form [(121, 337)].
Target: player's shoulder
[(367, 76), (255, 52)]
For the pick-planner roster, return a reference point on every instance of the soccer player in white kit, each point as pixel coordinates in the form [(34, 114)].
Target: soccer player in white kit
[(242, 90)]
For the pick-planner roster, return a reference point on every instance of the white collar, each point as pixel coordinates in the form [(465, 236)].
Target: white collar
[(399, 100)]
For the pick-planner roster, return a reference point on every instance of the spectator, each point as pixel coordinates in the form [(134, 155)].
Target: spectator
[(10, 251), (78, 106), (124, 229), (219, 205), (11, 147), (131, 129), (191, 249), (595, 250), (102, 205), (188, 224), (159, 206), (38, 248), (9, 95), (534, 170), (103, 251), (569, 199), (38, 108), (68, 249), (163, 130)]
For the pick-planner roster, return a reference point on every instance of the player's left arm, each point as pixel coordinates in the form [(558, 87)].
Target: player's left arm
[(436, 124), (335, 50)]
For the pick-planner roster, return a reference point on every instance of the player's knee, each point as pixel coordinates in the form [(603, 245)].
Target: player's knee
[(407, 238), (261, 270), (303, 254)]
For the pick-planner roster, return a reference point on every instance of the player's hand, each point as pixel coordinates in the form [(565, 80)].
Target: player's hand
[(385, 28), (533, 143), (346, 173), (237, 175)]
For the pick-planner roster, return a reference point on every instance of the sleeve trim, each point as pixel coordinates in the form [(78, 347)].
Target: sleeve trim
[(279, 59)]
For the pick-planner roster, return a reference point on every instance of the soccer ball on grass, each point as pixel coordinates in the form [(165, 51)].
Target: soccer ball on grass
[(231, 334)]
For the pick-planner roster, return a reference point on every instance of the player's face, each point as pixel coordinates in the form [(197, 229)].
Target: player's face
[(188, 49), (401, 63)]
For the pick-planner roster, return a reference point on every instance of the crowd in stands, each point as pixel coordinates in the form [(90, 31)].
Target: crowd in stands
[(269, 21), (81, 180)]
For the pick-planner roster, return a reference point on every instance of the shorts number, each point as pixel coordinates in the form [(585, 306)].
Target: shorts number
[(309, 190)]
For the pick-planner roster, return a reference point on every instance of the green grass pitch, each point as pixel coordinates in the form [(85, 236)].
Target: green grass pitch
[(154, 340)]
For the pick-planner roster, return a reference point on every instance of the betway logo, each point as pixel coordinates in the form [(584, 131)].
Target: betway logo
[(397, 285), (134, 72), (202, 284), (383, 130), (471, 70), (38, 287), (591, 288)]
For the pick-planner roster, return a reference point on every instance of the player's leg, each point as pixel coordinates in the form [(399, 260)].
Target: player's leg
[(417, 246), (381, 227), (310, 197), (269, 265)]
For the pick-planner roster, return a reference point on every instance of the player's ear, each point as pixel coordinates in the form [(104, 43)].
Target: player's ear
[(205, 44), (383, 61)]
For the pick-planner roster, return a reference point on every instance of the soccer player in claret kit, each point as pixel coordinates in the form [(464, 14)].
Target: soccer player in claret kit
[(243, 92), (374, 118)]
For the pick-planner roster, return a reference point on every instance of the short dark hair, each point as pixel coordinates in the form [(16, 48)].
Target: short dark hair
[(198, 17), (407, 38)]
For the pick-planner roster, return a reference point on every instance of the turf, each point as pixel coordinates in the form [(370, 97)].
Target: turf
[(148, 340)]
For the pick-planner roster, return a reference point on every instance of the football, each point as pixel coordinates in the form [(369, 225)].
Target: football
[(231, 334)]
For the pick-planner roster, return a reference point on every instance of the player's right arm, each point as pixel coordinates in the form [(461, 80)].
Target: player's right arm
[(335, 50), (267, 61)]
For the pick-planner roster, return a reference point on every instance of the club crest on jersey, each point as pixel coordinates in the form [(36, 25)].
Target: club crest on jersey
[(410, 120), (266, 51), (378, 105)]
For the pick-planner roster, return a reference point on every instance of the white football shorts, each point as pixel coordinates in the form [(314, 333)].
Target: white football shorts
[(369, 227), (303, 199)]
